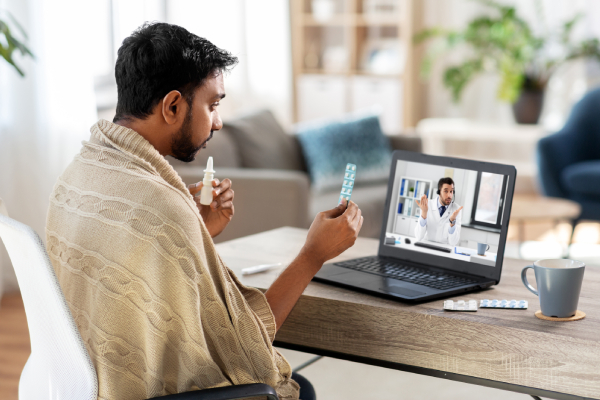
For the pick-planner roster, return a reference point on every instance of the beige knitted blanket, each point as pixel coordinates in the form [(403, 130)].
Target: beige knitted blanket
[(157, 308)]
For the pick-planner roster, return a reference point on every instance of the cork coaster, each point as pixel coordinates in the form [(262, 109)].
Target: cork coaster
[(578, 315)]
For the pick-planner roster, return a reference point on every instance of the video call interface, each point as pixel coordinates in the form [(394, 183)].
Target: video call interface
[(462, 222)]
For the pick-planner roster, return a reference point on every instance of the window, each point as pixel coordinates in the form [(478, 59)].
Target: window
[(490, 190)]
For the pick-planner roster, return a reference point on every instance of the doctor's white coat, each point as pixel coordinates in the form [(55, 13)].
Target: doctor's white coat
[(436, 228)]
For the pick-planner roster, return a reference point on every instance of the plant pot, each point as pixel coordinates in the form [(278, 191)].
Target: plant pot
[(528, 107)]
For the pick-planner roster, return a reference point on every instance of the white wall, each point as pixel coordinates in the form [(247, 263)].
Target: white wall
[(44, 116), (257, 32)]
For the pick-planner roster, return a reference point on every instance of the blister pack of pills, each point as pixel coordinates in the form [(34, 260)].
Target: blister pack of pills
[(460, 305), (515, 304), (348, 184)]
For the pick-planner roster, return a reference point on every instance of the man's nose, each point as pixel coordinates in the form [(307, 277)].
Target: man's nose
[(217, 123)]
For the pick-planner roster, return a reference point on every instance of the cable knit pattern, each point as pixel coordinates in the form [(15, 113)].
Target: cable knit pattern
[(157, 308)]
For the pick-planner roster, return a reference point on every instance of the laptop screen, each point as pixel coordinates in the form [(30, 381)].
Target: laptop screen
[(445, 211)]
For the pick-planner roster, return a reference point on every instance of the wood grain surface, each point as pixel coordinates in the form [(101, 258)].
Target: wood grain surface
[(14, 344), (510, 346), (527, 207)]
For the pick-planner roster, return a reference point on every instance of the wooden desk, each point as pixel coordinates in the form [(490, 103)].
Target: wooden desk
[(505, 349)]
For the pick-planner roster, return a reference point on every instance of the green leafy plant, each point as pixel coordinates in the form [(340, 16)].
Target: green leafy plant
[(9, 43), (504, 43)]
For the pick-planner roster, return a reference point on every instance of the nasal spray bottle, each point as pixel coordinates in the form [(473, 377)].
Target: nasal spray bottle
[(206, 196)]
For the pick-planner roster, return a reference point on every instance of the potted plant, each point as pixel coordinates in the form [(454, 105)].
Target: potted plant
[(504, 43), (9, 43)]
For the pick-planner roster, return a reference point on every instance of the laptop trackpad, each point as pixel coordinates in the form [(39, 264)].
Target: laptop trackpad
[(355, 279), (401, 290)]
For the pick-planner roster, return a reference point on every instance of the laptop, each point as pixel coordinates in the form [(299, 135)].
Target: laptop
[(430, 260)]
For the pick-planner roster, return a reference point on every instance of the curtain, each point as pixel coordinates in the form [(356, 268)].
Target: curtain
[(44, 116)]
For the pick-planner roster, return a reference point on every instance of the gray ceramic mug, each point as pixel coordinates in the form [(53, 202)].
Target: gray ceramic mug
[(482, 248), (559, 284)]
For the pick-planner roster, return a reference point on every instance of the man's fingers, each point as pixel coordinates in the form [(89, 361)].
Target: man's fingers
[(360, 224), (418, 203), (227, 196), (337, 211), (195, 188), (357, 219), (225, 205), (221, 187), (351, 210)]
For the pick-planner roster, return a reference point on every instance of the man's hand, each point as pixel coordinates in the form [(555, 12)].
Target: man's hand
[(454, 215), (424, 205), (219, 213), (332, 232)]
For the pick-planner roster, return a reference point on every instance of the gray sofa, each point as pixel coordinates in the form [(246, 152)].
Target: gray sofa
[(270, 179)]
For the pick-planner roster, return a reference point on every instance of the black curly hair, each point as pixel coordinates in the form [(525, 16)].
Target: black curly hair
[(158, 58)]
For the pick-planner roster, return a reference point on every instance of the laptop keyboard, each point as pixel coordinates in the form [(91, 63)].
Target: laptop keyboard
[(395, 270)]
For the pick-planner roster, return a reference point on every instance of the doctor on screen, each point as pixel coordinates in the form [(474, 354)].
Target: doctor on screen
[(440, 221)]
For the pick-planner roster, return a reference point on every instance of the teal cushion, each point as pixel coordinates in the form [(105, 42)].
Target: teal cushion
[(328, 147)]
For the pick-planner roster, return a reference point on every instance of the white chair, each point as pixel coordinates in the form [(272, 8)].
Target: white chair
[(59, 367)]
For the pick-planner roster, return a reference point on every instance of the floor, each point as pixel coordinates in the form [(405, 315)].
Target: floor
[(14, 344), (336, 379)]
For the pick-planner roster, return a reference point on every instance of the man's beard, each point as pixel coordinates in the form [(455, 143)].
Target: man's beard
[(182, 146)]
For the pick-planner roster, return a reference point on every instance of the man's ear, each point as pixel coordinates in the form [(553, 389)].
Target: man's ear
[(173, 107)]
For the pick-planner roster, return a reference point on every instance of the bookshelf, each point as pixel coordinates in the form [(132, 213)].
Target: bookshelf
[(407, 210), (353, 55)]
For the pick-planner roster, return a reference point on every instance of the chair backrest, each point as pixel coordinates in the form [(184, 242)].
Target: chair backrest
[(59, 366)]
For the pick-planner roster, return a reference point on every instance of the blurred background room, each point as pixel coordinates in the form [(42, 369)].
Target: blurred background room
[(505, 81)]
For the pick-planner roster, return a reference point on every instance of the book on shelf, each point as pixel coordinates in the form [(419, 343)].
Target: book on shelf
[(421, 190), (402, 187), (416, 188), (400, 208)]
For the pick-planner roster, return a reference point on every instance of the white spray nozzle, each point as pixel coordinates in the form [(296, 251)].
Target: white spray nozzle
[(209, 166)]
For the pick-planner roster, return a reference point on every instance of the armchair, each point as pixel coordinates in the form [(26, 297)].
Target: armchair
[(569, 160)]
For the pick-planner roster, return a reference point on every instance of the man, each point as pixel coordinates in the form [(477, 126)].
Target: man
[(442, 222), (157, 308)]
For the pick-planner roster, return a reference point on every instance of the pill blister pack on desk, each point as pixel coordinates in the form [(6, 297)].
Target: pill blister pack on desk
[(348, 183), (515, 304), (460, 305)]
